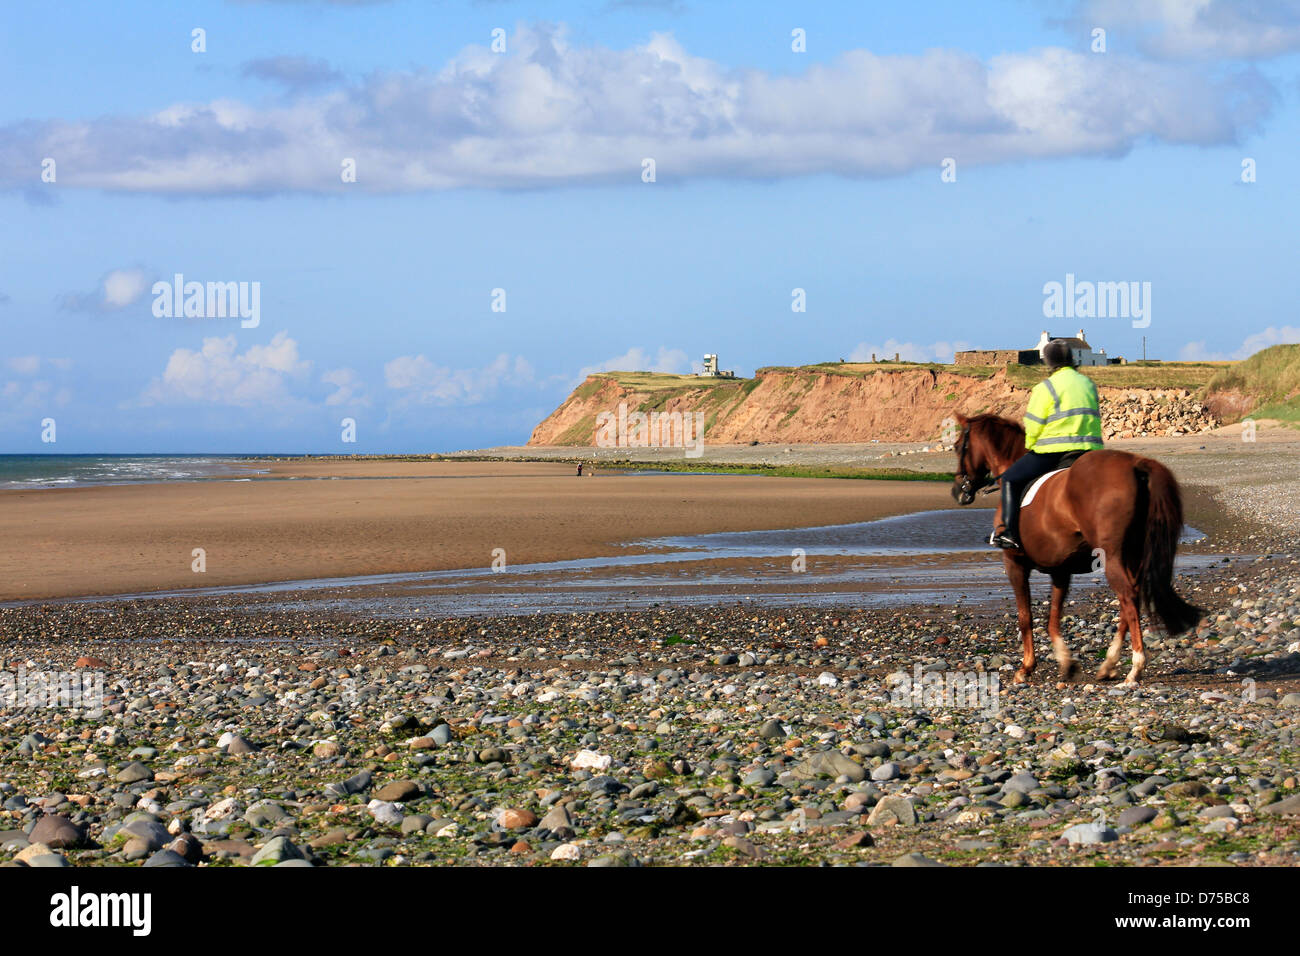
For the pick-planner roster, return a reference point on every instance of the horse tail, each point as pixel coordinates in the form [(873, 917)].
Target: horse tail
[(1161, 503)]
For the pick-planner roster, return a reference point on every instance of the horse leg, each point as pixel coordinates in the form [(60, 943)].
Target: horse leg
[(1018, 574), (1066, 667), (1129, 608), (1130, 624), (1107, 669)]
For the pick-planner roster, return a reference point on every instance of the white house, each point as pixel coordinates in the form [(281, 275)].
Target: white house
[(1083, 352)]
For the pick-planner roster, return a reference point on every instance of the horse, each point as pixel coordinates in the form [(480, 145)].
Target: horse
[(1111, 511)]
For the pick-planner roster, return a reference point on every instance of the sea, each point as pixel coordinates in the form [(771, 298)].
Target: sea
[(71, 471)]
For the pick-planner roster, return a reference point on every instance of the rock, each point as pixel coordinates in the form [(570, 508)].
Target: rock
[(760, 777), (32, 851), (134, 772), (916, 859), (891, 810), (1021, 783), (1134, 816), (857, 802), (276, 850), (566, 852), (398, 791), (557, 818), (385, 813), (441, 735), (265, 814), (187, 848), (855, 840), (886, 771), (1187, 788), (1289, 807), (830, 763), (511, 819), (415, 823), (57, 831), (771, 729), (152, 833), (1089, 833), (167, 858), (236, 744), (743, 847), (590, 760)]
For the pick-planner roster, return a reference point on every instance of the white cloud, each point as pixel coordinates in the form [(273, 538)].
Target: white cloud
[(420, 381), (220, 375), (638, 360), (550, 113), (907, 351), (1199, 352), (25, 364), (26, 395), (1200, 29), (116, 290), (348, 388)]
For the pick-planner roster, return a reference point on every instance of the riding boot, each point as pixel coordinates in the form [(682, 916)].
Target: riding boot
[(1009, 537)]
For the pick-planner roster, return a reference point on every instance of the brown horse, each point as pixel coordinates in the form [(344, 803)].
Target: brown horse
[(1110, 511)]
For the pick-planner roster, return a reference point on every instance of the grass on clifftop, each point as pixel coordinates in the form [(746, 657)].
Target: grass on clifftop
[(1271, 377), (653, 381), (1189, 375)]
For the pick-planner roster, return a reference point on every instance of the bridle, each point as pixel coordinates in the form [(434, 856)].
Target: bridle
[(965, 485)]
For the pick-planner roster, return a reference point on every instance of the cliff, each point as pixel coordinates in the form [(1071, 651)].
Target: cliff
[(885, 402)]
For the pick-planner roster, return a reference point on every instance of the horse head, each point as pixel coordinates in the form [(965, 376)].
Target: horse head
[(971, 475), (985, 448)]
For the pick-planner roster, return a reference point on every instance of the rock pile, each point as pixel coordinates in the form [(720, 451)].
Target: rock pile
[(1143, 413)]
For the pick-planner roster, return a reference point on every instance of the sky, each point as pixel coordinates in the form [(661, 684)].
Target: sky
[(448, 213)]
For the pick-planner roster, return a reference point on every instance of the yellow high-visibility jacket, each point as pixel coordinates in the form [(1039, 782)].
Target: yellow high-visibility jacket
[(1064, 414)]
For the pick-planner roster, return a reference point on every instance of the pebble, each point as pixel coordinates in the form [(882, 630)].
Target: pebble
[(636, 749)]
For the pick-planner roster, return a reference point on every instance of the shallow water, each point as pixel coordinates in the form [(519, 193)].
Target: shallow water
[(71, 471), (926, 557)]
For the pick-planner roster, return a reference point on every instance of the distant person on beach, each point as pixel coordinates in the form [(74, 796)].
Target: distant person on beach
[(579, 469)]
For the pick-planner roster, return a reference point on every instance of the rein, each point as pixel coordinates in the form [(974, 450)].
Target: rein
[(990, 482)]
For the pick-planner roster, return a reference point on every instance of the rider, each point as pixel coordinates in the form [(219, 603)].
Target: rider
[(1063, 416)]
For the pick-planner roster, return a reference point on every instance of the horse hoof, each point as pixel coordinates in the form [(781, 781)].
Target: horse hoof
[(1020, 678), (1070, 671), (1105, 673)]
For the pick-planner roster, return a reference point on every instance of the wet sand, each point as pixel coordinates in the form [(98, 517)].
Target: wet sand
[(313, 519)]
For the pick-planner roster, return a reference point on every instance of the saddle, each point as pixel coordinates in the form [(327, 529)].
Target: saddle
[(1067, 459)]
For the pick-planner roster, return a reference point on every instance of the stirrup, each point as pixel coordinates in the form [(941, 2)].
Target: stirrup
[(1005, 541)]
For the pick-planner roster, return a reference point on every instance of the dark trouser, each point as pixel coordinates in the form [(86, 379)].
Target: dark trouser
[(1019, 477)]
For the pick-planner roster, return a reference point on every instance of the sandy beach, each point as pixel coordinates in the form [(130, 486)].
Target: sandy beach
[(323, 518), (309, 519)]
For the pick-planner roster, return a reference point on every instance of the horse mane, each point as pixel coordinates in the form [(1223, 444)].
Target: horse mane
[(1005, 436)]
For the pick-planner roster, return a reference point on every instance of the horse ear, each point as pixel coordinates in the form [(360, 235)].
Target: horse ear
[(962, 419)]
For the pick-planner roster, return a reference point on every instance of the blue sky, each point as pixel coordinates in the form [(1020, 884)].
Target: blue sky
[(522, 171)]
